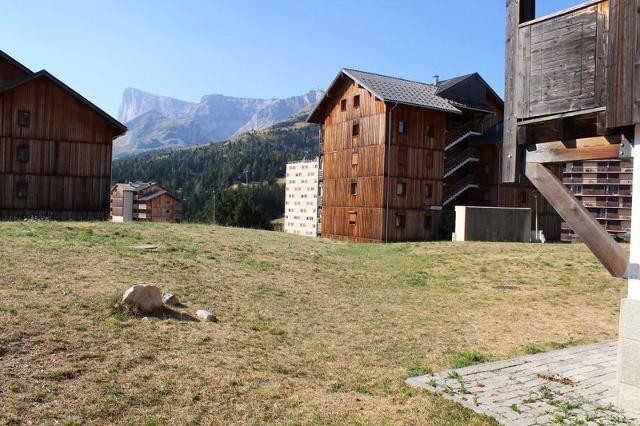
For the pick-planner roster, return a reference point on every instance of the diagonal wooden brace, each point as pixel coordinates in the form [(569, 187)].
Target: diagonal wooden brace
[(603, 246)]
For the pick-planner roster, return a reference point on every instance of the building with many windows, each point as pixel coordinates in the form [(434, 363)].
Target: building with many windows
[(302, 192), (604, 187), (397, 156), (144, 201)]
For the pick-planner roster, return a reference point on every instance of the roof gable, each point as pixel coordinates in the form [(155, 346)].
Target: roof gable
[(469, 91), (387, 89), (8, 59), (119, 127)]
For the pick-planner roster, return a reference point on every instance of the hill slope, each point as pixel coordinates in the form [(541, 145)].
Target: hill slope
[(158, 122), (310, 331), (195, 172)]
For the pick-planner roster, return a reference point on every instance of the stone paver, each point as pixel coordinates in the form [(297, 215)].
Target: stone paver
[(568, 386)]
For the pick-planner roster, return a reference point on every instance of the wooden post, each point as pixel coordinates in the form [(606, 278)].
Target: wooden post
[(578, 217), (518, 11)]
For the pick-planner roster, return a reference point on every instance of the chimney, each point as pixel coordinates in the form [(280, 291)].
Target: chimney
[(436, 79)]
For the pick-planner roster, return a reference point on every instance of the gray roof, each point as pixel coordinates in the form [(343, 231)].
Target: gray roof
[(135, 186), (447, 84), (393, 89), (152, 195)]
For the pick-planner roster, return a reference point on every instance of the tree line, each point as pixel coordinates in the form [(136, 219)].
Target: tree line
[(243, 173)]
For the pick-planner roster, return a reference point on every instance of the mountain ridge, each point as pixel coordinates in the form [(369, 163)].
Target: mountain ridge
[(156, 122)]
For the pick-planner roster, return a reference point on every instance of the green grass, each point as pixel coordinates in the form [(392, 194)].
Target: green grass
[(310, 331)]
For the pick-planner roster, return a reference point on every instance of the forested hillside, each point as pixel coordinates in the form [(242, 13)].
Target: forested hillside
[(255, 157)]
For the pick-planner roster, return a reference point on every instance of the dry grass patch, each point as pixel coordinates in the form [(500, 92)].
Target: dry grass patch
[(309, 331)]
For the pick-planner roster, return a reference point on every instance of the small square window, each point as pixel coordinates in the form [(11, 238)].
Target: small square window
[(22, 190), (354, 158), (354, 188), (353, 216), (401, 127), (428, 190), (24, 118), (400, 220), (343, 105), (427, 221), (356, 101), (22, 154), (401, 189), (355, 130)]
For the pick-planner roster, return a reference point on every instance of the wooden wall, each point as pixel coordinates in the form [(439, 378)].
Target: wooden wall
[(557, 71), (68, 172), (417, 159), (165, 208), (9, 72), (339, 173), (623, 85)]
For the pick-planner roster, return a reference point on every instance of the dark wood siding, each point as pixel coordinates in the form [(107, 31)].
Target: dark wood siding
[(417, 160), (68, 172), (339, 172), (9, 72)]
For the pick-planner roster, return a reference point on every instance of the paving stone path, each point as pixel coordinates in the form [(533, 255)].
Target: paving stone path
[(567, 386)]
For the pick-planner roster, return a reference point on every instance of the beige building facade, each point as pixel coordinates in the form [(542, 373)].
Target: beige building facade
[(302, 190)]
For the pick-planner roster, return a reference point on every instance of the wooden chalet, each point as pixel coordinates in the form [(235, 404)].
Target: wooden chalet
[(144, 201), (398, 155), (55, 148)]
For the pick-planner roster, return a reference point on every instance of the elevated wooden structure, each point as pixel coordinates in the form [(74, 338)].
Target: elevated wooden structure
[(572, 93)]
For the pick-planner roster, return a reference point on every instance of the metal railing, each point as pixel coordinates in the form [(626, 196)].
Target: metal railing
[(454, 163), (458, 188)]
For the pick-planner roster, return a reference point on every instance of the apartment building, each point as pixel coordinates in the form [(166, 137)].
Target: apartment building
[(604, 188), (302, 191), (144, 201), (399, 155)]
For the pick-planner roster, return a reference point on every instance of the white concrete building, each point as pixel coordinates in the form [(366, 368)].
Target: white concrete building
[(301, 198)]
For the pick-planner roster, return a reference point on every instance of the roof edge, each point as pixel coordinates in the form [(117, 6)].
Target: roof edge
[(15, 63), (44, 73), (346, 72)]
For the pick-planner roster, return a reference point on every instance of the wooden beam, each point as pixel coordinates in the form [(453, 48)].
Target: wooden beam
[(596, 148), (509, 144), (561, 115), (601, 244)]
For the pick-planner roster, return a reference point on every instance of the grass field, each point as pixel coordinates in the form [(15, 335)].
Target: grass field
[(310, 331)]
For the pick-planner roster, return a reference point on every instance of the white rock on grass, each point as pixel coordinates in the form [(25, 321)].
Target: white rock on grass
[(170, 299), (205, 315), (146, 297)]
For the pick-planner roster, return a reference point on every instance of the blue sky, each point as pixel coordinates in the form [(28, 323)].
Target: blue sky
[(189, 48)]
